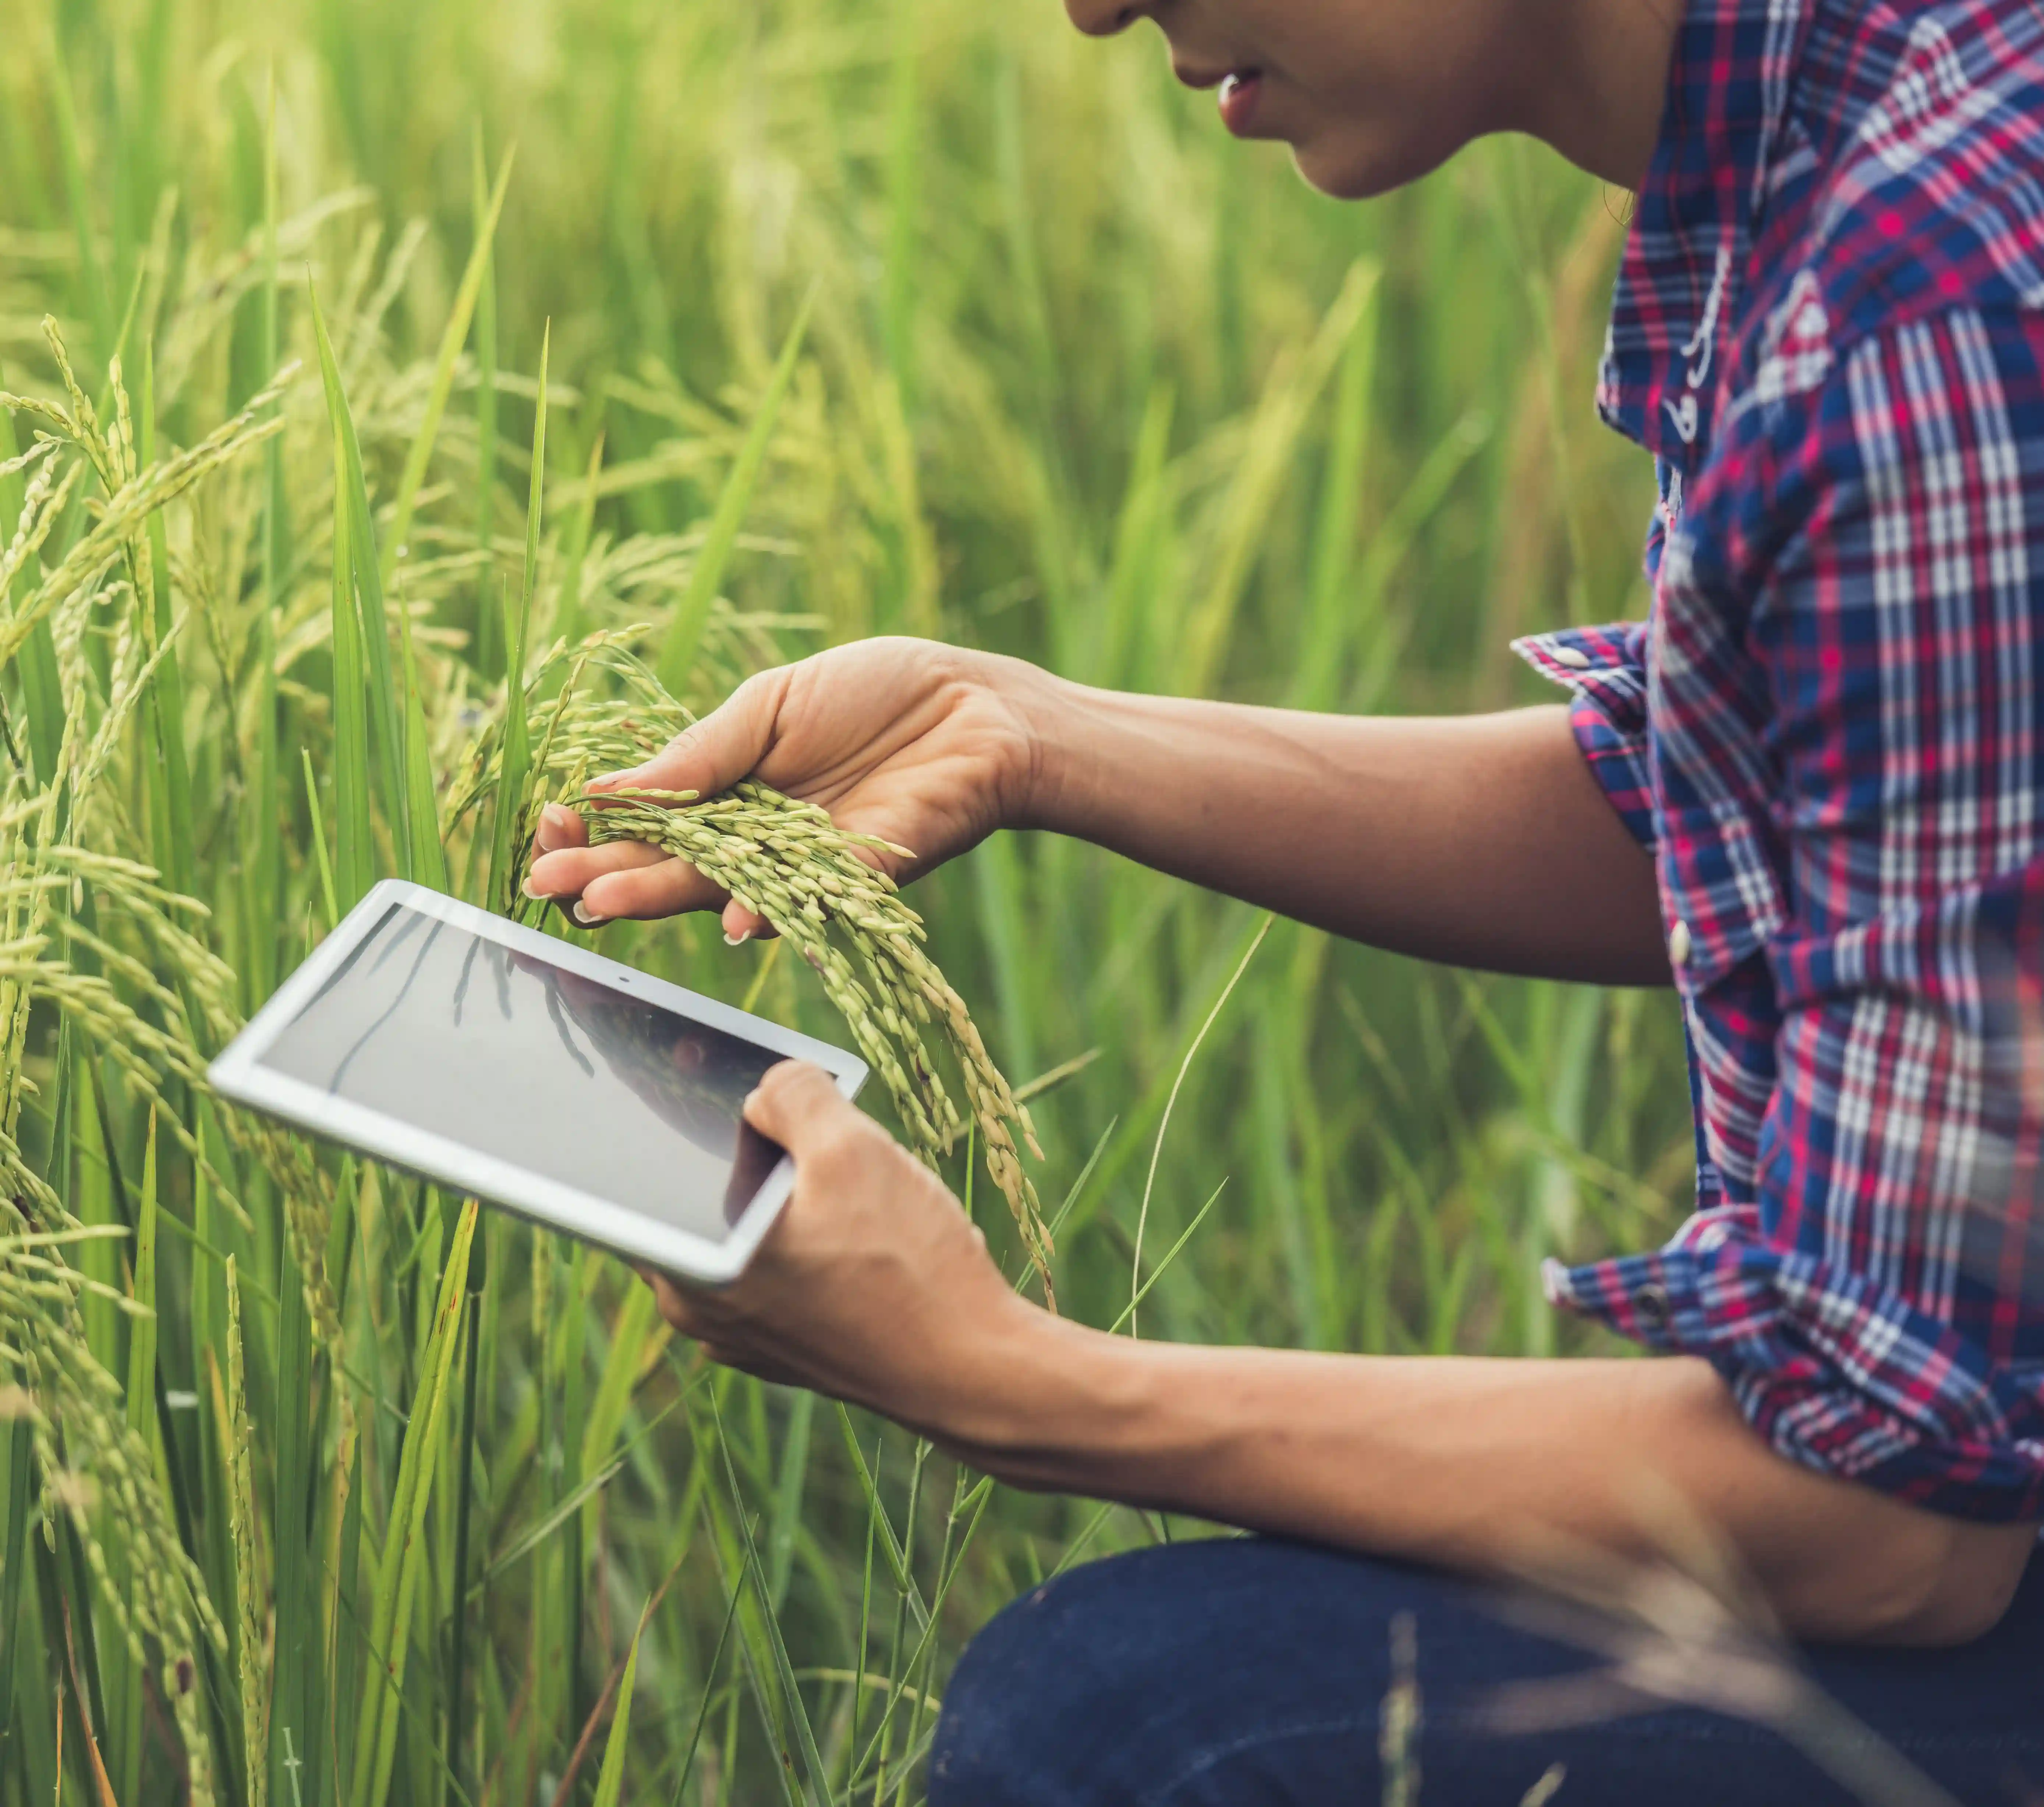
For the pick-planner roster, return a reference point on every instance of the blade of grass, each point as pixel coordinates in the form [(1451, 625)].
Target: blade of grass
[(465, 1434), (140, 1412), (488, 648), (79, 187), (628, 1332), (369, 590), (1136, 1288), (897, 1563), (567, 599), (13, 1562), (451, 341), (422, 805), (354, 854), (175, 857), (238, 1470), (1269, 450), (788, 1498), (610, 1779), (266, 865), (404, 1550), (537, 1534), (319, 841), (517, 760), (676, 664), (817, 1778), (295, 1686), (865, 1609), (1329, 616), (709, 1693), (42, 690), (1170, 1255)]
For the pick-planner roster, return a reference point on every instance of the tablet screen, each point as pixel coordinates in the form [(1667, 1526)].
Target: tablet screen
[(451, 1033)]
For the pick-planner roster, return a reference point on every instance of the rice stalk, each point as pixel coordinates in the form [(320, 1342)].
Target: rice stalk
[(237, 1434), (90, 1453), (126, 508), (787, 861)]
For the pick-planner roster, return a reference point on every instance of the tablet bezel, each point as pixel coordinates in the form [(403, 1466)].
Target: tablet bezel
[(239, 1074)]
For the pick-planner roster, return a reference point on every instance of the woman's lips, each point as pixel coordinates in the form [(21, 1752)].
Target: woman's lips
[(1237, 95)]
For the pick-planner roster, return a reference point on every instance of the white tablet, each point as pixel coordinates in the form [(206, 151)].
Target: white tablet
[(499, 1062)]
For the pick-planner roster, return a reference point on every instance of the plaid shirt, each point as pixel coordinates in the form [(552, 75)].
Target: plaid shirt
[(1829, 329)]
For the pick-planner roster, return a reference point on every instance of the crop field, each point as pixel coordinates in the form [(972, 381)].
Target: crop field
[(393, 385)]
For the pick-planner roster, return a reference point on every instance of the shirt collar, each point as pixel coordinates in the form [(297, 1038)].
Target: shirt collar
[(1677, 283)]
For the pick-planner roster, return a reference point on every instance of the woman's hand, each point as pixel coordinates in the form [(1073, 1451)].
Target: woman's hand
[(924, 745), (873, 1287)]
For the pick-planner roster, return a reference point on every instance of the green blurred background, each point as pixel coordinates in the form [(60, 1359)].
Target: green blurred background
[(1087, 381)]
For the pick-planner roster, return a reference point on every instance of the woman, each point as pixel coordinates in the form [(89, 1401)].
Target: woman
[(1809, 793)]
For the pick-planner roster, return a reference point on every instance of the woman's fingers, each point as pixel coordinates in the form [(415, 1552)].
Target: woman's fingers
[(674, 1303), (565, 874), (742, 924), (718, 751), (798, 1105), (642, 891), (620, 879), (559, 826), (627, 880)]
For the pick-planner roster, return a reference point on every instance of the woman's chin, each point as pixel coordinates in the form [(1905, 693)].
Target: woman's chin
[(1350, 166)]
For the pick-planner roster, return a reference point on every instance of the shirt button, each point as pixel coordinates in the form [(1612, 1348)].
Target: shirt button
[(1574, 658), (1681, 944), (1651, 1307)]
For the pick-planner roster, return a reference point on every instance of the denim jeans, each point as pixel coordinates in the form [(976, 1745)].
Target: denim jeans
[(1249, 1670)]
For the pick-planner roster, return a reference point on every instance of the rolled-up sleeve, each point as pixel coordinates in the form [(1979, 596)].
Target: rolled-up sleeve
[(1871, 1285), (1605, 668)]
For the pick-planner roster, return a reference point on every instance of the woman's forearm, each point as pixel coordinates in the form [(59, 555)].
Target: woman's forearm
[(1493, 1468), (1481, 841)]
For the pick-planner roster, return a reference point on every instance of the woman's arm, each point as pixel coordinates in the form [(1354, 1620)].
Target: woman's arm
[(875, 1288), (1491, 1467), (1479, 841)]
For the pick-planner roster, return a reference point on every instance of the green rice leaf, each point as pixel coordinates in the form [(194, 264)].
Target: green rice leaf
[(451, 341), (403, 1556), (784, 1670), (517, 752), (610, 1779), (422, 808), (677, 652), (488, 631), (354, 854), (130, 1690), (568, 598)]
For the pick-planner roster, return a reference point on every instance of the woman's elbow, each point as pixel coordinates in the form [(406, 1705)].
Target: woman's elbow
[(1933, 1583)]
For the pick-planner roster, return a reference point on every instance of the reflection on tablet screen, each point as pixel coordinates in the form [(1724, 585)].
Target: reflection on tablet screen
[(455, 1034)]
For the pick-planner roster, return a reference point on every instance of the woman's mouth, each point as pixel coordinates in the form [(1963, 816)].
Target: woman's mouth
[(1237, 96)]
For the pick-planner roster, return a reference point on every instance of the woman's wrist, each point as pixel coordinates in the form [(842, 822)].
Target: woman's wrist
[(1048, 720), (1040, 1398)]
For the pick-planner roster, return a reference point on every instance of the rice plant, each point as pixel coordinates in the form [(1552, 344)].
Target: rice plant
[(409, 406)]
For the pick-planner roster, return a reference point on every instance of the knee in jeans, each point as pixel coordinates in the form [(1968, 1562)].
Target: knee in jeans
[(1009, 1712)]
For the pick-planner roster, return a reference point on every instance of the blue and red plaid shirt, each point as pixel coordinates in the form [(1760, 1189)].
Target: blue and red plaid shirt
[(1829, 329)]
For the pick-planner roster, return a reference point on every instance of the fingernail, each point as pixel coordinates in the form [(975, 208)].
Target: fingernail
[(738, 941), (555, 821), (533, 888), (587, 918)]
